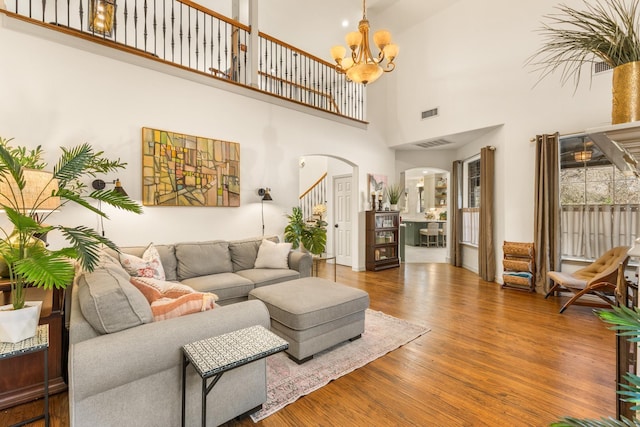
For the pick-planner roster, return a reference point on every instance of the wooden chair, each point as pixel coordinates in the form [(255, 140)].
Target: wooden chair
[(599, 278), (432, 233)]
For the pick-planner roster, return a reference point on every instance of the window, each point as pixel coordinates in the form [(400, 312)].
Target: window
[(600, 206), (471, 207)]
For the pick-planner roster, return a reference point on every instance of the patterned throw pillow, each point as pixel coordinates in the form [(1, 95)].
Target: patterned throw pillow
[(169, 299), (273, 255), (147, 266)]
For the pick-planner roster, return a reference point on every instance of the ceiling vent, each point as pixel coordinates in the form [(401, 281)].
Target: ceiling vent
[(429, 113), (601, 67), (434, 143)]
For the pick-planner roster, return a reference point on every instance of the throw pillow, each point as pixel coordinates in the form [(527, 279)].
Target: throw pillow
[(108, 301), (147, 266), (169, 299), (273, 255), (167, 308)]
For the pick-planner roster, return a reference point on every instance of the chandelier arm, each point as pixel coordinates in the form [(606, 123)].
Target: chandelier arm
[(390, 67)]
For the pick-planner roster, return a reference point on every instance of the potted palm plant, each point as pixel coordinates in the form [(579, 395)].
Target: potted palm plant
[(28, 196), (393, 192), (309, 235), (627, 323), (605, 31)]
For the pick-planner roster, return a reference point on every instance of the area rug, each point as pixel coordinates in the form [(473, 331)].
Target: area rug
[(287, 381)]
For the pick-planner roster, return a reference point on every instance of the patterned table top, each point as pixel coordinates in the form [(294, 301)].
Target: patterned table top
[(224, 352), (30, 345)]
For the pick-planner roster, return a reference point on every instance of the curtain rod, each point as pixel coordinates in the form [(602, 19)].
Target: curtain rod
[(490, 147)]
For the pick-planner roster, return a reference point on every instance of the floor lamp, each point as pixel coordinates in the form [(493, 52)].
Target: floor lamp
[(266, 197)]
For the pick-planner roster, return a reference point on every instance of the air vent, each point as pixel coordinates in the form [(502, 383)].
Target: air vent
[(601, 67), (434, 143), (429, 113)]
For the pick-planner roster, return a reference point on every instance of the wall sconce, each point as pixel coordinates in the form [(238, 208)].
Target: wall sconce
[(99, 184), (101, 14), (265, 193)]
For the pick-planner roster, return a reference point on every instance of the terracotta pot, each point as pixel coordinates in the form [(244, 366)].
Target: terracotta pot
[(18, 325), (626, 93)]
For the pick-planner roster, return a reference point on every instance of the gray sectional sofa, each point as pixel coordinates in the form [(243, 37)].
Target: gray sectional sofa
[(124, 369)]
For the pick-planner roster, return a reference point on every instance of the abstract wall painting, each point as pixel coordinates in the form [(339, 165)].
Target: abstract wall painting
[(186, 170)]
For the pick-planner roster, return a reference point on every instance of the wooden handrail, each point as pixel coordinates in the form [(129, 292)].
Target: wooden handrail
[(313, 186), (317, 92), (203, 9), (295, 49)]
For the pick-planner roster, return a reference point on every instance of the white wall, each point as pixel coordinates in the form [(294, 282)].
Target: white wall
[(56, 95), (469, 62)]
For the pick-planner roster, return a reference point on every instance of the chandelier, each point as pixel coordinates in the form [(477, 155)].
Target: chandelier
[(361, 66)]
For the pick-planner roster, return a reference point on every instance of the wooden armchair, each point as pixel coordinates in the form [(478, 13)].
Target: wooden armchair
[(599, 278)]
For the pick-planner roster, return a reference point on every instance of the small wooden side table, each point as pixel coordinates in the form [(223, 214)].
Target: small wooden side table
[(319, 258), (40, 342), (214, 356)]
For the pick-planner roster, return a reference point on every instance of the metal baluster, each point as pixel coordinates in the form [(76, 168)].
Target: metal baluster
[(204, 42), (126, 20), (164, 29), (44, 8), (197, 44), (135, 23), (181, 34), (80, 12), (211, 44), (145, 34), (155, 28), (173, 31)]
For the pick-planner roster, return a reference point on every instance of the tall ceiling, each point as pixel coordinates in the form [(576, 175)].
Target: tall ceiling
[(316, 26)]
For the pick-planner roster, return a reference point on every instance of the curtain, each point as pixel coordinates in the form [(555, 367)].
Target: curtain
[(590, 230), (486, 249), (455, 199), (546, 209)]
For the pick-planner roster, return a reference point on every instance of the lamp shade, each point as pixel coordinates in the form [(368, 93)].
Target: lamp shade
[(364, 73), (338, 52), (382, 38), (353, 39), (36, 194), (119, 189)]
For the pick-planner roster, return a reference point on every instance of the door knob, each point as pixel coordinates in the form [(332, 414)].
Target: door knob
[(336, 226)]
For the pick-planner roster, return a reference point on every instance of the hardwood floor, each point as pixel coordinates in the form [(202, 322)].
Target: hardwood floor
[(493, 357)]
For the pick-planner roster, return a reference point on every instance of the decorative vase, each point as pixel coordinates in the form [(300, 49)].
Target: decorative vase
[(626, 93), (394, 207), (18, 325)]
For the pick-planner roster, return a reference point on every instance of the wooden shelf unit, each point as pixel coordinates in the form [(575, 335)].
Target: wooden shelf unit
[(22, 378), (382, 240), (519, 266)]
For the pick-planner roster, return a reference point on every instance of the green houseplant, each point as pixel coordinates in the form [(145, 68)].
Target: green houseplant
[(627, 323), (393, 192), (605, 31), (28, 204), (311, 234)]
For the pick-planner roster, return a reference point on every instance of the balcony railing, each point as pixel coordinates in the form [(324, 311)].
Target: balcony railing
[(188, 35)]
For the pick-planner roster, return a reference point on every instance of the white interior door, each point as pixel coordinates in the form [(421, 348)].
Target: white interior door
[(343, 218)]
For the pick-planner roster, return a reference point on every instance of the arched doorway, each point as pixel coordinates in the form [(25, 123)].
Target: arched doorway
[(425, 206), (333, 181)]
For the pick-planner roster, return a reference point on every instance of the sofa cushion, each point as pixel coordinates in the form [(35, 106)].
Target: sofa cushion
[(108, 301), (203, 258), (273, 255), (244, 252), (268, 276), (224, 285), (149, 265), (167, 257)]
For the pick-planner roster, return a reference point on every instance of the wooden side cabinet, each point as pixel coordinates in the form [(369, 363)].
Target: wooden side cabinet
[(21, 378), (382, 240)]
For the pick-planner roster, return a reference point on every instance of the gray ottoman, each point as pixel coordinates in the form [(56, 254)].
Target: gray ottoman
[(313, 314)]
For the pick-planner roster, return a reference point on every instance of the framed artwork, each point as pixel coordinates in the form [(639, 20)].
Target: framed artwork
[(186, 170), (377, 183)]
